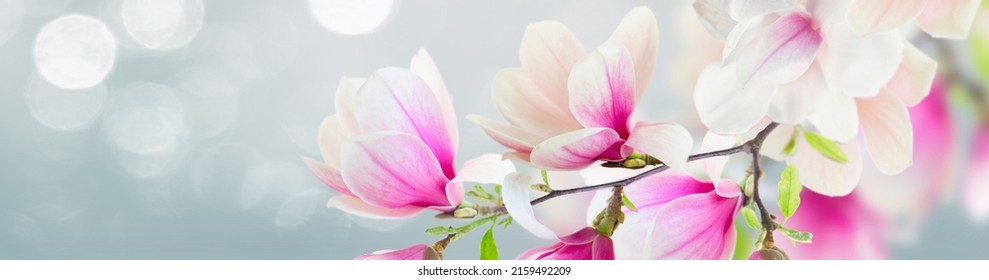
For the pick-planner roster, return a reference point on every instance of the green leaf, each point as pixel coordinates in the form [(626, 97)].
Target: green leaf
[(628, 203), (789, 195), (545, 177), (978, 43), (440, 230), (825, 146), (506, 222), (489, 250), (750, 218), (792, 145), (797, 236), (497, 189)]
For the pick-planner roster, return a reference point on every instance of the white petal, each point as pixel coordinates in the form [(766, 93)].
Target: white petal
[(888, 132), (778, 53), (523, 105), (724, 106), (777, 140), (868, 17), (668, 142), (715, 17), (912, 81), (548, 51), (796, 100), (951, 19), (837, 118), (857, 66), (742, 9), (508, 135), (485, 169), (639, 33), (829, 12), (515, 194), (825, 176), (715, 165)]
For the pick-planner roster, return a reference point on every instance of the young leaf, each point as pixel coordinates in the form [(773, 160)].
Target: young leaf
[(497, 189), (797, 236), (506, 222), (789, 187), (792, 145), (628, 204), (750, 218), (440, 230), (489, 250), (826, 147), (545, 177)]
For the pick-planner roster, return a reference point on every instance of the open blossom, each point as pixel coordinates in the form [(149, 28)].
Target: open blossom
[(940, 18), (414, 252), (389, 150), (567, 109), (843, 227)]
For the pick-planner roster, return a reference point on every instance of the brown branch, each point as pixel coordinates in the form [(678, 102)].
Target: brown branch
[(754, 147)]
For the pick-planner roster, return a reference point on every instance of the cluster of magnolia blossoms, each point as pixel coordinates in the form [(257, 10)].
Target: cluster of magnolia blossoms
[(389, 150)]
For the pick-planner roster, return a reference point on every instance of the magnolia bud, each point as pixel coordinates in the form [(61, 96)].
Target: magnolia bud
[(769, 254)]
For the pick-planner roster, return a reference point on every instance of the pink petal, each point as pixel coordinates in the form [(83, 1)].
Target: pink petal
[(327, 174), (346, 102), (393, 170), (508, 135), (778, 53), (422, 65), (668, 142), (837, 117), (577, 149), (975, 191), (843, 228), (857, 66), (697, 226), (540, 252), (332, 133), (358, 207), (724, 106), (797, 100), (912, 81), (602, 248), (888, 133), (516, 196), (825, 176), (951, 19), (868, 17), (639, 33), (395, 99), (714, 166), (602, 89), (715, 16), (523, 105), (485, 169), (583, 236), (414, 252), (548, 51), (742, 9)]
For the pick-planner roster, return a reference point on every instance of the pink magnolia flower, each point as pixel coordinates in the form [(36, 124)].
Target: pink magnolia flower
[(939, 18), (975, 190), (585, 244), (843, 228), (389, 150), (566, 108), (678, 218), (414, 252)]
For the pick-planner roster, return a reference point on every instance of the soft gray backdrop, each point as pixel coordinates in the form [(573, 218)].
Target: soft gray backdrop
[(232, 186)]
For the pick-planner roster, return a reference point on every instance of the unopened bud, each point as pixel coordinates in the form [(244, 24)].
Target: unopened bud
[(634, 163), (769, 254), (541, 187), (465, 212)]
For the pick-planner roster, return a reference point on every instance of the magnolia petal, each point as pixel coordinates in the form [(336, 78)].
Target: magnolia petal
[(714, 166), (539, 253), (724, 106), (650, 195), (395, 99), (346, 101), (697, 226), (857, 66), (950, 19), (888, 132), (422, 65), (975, 191), (485, 169), (358, 207), (414, 252), (912, 81), (837, 118), (669, 142), (602, 89), (797, 100), (742, 9), (516, 195), (392, 170), (829, 12), (508, 135), (518, 100), (602, 248), (576, 149), (548, 52), (331, 136), (327, 174), (777, 140), (571, 213), (844, 228), (715, 16), (868, 17), (779, 53), (639, 33), (825, 176)]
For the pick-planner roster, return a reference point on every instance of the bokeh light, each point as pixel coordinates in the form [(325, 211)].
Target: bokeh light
[(75, 51), (162, 24), (11, 15), (352, 17), (65, 110)]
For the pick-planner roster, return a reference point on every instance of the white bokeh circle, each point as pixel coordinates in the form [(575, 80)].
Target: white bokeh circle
[(162, 24), (65, 110), (352, 17), (11, 16), (75, 51)]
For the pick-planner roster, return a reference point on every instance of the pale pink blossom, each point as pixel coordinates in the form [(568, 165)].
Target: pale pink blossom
[(843, 227), (389, 150), (414, 252), (585, 244), (940, 18), (567, 108)]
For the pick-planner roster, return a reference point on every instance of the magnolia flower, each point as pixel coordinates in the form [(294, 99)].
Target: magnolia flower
[(389, 150), (906, 199), (843, 228), (939, 18), (585, 244), (414, 252), (567, 109)]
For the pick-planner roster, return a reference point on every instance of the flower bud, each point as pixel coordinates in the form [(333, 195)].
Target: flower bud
[(769, 254)]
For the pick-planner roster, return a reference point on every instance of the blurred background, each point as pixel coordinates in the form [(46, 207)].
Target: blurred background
[(153, 129)]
